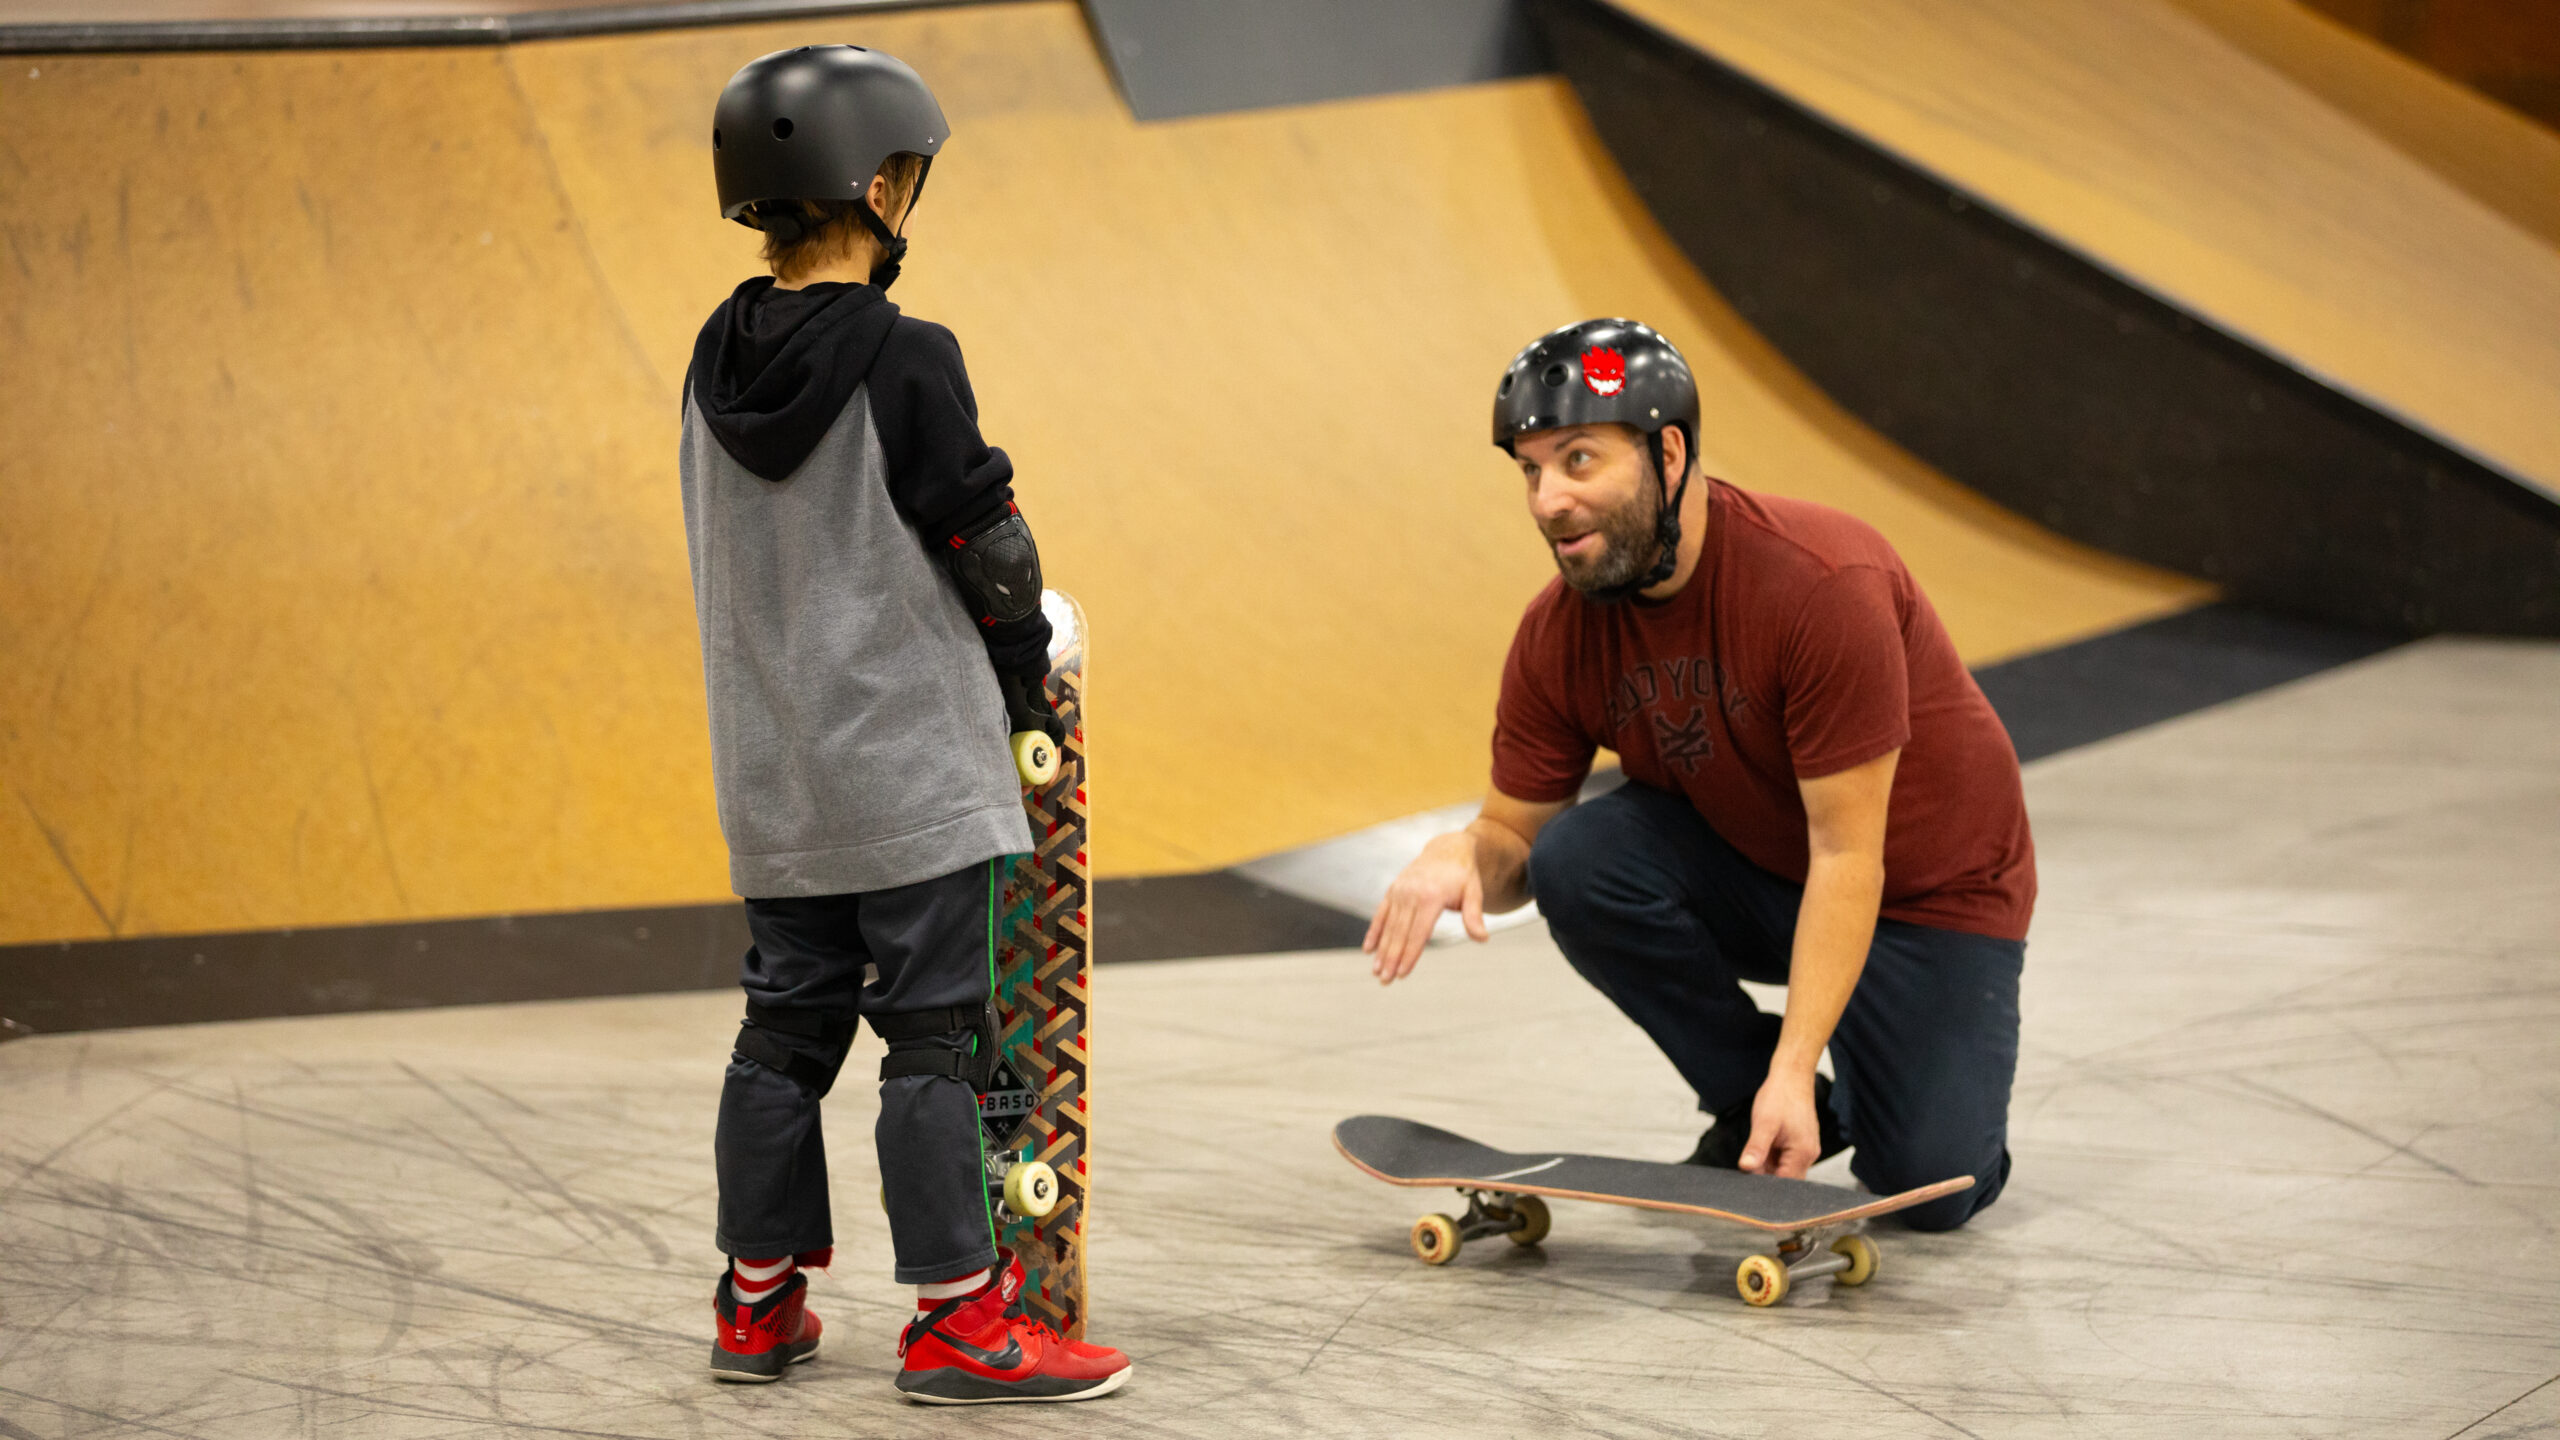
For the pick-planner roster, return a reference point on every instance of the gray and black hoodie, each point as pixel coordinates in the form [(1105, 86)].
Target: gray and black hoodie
[(830, 452)]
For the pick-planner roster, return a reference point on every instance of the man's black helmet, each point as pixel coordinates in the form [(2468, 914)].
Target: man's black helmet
[(1608, 372), (814, 123), (1597, 372)]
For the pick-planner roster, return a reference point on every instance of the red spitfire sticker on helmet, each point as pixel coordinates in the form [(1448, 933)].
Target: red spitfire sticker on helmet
[(1605, 371)]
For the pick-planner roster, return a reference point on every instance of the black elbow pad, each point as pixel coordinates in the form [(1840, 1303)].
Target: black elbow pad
[(998, 569)]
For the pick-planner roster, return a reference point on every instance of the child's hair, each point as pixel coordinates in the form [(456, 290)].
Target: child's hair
[(833, 228)]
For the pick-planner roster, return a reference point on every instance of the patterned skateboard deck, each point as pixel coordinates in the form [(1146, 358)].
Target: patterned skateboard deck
[(1044, 955)]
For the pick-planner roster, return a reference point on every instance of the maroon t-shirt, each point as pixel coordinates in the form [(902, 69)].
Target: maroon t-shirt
[(1825, 655)]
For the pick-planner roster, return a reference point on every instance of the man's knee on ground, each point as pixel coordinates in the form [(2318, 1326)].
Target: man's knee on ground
[(1895, 1173)]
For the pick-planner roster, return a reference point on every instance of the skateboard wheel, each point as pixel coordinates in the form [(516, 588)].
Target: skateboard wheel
[(1534, 1220), (1862, 1258), (1035, 757), (1030, 1189), (1762, 1279), (1435, 1239)]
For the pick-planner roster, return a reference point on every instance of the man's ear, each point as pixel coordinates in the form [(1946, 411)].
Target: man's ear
[(1675, 454)]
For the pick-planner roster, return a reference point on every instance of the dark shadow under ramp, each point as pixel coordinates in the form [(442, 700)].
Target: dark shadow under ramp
[(2053, 386)]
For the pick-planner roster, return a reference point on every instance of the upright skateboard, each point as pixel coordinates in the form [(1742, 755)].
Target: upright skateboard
[(1035, 1113), (1818, 1226)]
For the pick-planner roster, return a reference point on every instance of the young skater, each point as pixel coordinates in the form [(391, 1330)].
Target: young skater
[(869, 597)]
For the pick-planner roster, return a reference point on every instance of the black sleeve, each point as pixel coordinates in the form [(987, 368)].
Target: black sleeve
[(945, 479)]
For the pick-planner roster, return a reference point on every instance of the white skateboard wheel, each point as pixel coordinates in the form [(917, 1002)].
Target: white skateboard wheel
[(1030, 1189), (1035, 757)]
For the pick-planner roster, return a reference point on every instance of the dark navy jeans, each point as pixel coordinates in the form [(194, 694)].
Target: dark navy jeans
[(1663, 917), (830, 957)]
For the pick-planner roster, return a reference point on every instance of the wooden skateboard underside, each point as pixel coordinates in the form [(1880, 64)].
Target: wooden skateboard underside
[(1402, 1152), (1044, 955)]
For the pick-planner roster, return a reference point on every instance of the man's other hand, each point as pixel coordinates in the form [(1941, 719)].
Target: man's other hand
[(1443, 877), (1786, 1136)]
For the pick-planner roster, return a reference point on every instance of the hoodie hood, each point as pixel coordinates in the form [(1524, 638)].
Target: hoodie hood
[(773, 369)]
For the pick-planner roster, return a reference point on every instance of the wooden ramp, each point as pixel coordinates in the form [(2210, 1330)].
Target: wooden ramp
[(338, 526), (2201, 150)]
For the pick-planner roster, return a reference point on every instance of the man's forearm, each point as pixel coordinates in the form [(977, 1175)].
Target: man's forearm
[(1502, 863), (1835, 925)]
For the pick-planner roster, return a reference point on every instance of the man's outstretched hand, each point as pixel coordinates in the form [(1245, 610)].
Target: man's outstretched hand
[(1442, 878), (1786, 1135)]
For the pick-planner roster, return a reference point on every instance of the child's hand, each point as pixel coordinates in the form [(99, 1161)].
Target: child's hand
[(1027, 707)]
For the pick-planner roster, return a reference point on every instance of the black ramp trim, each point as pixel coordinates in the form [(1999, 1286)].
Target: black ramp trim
[(2047, 383), (2082, 693), (1175, 917), (186, 979), (1203, 57), (314, 32), (180, 979)]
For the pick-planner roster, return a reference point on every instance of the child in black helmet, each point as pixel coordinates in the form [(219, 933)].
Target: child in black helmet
[(868, 594)]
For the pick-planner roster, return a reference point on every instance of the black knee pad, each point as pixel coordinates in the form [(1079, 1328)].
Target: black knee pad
[(807, 1046), (957, 1040)]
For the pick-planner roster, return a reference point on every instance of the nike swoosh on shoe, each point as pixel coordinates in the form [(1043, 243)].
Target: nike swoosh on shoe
[(1008, 1358)]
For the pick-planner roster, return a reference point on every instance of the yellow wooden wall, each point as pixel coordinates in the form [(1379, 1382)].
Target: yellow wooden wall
[(2154, 138), (342, 576)]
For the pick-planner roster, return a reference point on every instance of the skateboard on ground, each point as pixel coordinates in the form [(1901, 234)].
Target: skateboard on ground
[(1818, 1227), (1035, 1112)]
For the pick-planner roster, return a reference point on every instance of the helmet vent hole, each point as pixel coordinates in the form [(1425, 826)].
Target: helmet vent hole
[(1506, 380), (1554, 376), (782, 129), (715, 139)]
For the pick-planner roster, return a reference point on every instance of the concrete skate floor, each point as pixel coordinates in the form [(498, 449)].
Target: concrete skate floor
[(2286, 1165)]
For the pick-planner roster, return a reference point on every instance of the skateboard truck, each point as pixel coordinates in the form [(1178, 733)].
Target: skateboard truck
[(1523, 1218), (1765, 1279), (1024, 1188)]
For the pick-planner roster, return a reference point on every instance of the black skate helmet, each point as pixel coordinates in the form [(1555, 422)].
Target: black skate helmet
[(1607, 372), (814, 123)]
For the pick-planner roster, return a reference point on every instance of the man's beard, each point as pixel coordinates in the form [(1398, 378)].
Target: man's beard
[(1629, 546)]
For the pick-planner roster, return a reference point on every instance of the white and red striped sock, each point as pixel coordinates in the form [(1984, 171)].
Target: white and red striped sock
[(753, 1280), (928, 1296)]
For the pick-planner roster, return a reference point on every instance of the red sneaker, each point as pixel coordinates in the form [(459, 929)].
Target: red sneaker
[(972, 1350), (758, 1341), (1096, 1360)]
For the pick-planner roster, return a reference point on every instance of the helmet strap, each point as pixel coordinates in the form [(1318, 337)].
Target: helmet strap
[(1666, 532), (893, 247)]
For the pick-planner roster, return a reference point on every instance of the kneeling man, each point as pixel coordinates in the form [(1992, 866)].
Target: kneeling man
[(1817, 793)]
